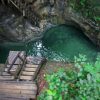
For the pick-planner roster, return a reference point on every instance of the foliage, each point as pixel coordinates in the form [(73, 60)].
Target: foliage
[(57, 86), (86, 8), (88, 82), (82, 83)]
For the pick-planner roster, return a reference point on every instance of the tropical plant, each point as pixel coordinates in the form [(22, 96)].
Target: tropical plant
[(82, 83)]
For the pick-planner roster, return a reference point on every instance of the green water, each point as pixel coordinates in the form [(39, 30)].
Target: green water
[(5, 48), (60, 43)]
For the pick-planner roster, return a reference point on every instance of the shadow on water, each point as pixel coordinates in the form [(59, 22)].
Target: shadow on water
[(60, 43)]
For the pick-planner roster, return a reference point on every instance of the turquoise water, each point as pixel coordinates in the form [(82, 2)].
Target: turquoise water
[(60, 43)]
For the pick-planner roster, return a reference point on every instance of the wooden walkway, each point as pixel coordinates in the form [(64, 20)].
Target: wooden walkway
[(13, 90), (18, 75)]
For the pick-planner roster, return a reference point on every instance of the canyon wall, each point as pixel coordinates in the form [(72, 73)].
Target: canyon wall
[(56, 12)]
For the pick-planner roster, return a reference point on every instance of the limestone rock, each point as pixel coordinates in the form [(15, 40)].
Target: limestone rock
[(50, 13)]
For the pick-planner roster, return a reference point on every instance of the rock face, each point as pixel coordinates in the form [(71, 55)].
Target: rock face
[(55, 12), (58, 12), (14, 28)]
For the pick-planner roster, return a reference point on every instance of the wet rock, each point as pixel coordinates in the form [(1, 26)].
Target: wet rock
[(14, 28), (49, 13), (58, 12)]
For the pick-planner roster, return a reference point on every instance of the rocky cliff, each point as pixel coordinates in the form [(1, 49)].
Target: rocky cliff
[(59, 12), (55, 12)]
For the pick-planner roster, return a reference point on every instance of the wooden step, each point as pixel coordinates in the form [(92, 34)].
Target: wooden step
[(18, 82), (22, 77), (5, 74), (17, 86), (17, 91), (6, 78), (14, 66), (13, 69), (10, 98), (31, 66), (30, 69), (17, 95), (27, 73), (13, 55)]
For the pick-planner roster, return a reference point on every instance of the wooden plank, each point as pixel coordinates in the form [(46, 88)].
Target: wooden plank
[(13, 69), (15, 65), (30, 69), (13, 58), (5, 74), (34, 60), (12, 72), (17, 95), (10, 98), (26, 83), (13, 86), (31, 65), (12, 55), (36, 72), (22, 77), (30, 92), (27, 73), (6, 78)]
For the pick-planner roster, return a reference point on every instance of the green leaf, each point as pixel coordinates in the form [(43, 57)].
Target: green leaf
[(49, 92), (60, 98)]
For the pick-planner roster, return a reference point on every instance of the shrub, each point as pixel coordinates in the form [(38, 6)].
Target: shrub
[(86, 9), (83, 83)]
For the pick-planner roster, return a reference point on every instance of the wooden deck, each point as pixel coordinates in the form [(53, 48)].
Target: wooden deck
[(17, 79), (17, 90)]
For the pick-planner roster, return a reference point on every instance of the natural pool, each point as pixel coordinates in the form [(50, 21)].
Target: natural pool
[(60, 43)]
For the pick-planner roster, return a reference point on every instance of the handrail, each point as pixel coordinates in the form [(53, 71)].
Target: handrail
[(13, 62)]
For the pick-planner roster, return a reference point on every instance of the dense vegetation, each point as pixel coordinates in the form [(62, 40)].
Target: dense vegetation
[(80, 83), (86, 8)]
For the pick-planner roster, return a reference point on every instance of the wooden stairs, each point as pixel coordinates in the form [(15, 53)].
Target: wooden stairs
[(17, 79), (29, 72)]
